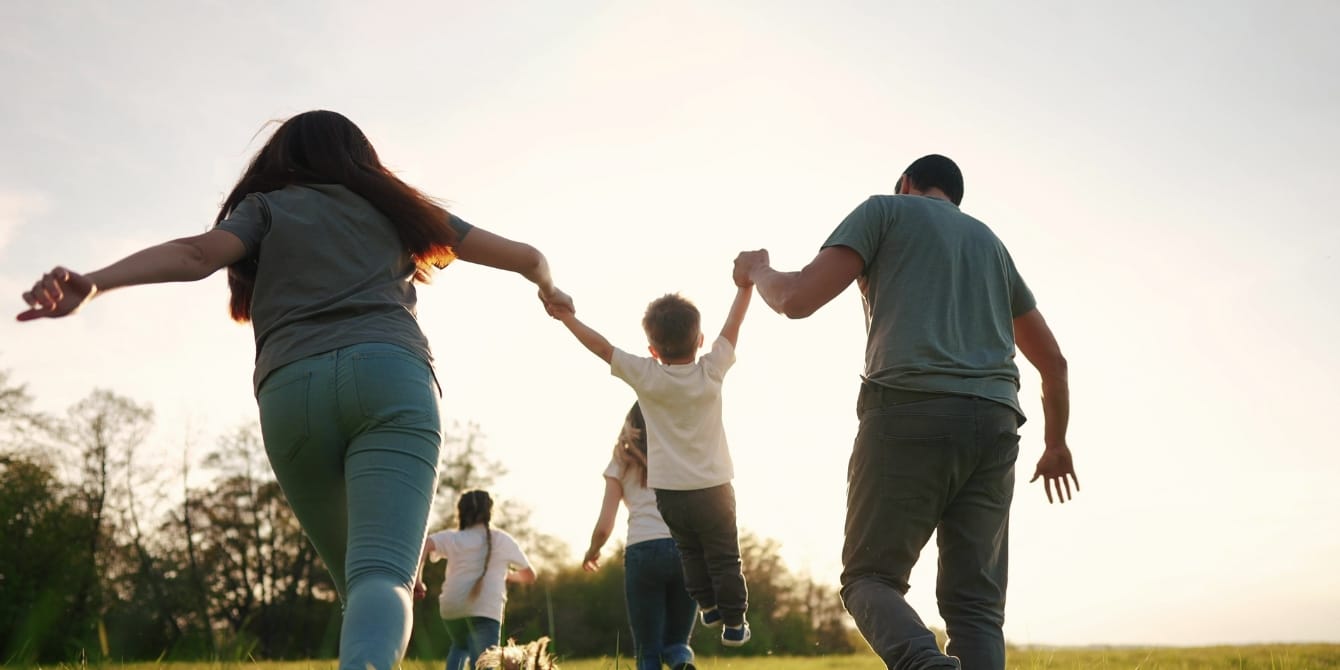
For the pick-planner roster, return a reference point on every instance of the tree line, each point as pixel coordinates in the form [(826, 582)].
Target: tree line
[(105, 557)]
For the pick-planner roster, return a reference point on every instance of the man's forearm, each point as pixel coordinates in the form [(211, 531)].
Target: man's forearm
[(774, 287), (1055, 410)]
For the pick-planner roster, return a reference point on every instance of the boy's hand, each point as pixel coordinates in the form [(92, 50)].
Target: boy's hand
[(556, 300), (560, 312)]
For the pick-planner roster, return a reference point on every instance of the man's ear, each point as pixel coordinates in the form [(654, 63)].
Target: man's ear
[(700, 339), (901, 187), (654, 354)]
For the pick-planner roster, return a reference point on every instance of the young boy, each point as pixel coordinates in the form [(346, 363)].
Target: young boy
[(688, 464)]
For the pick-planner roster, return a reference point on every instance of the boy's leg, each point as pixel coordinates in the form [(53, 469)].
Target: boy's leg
[(676, 511), (974, 545), (714, 509)]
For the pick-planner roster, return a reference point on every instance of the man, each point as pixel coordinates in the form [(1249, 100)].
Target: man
[(939, 411)]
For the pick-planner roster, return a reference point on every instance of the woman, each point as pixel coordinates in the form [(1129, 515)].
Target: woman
[(480, 562), (323, 246), (659, 607)]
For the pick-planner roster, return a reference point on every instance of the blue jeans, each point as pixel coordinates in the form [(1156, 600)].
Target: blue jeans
[(353, 436), (470, 636), (659, 607), (945, 465)]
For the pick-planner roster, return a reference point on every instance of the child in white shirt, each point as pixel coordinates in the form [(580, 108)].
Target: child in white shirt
[(688, 463)]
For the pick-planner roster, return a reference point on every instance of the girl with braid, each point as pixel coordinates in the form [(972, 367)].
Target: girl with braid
[(480, 562)]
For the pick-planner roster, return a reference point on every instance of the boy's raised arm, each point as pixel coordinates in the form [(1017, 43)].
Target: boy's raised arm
[(589, 338), (731, 331)]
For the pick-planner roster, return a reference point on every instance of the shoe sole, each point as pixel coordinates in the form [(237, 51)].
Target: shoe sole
[(736, 643)]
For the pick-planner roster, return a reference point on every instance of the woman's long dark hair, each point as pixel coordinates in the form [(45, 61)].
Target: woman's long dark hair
[(322, 147)]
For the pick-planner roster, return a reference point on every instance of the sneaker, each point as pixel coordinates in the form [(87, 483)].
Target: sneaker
[(711, 617), (735, 636)]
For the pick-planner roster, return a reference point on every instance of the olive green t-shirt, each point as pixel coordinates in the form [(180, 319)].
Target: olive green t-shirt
[(941, 294), (331, 272)]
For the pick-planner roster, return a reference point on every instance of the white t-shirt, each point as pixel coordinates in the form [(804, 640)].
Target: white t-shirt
[(686, 441), (644, 519), (464, 551)]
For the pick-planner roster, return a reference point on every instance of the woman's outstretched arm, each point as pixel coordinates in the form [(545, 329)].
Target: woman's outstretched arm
[(62, 292), (495, 251)]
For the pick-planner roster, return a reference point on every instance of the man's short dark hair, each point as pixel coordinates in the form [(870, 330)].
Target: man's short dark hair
[(936, 171), (672, 324)]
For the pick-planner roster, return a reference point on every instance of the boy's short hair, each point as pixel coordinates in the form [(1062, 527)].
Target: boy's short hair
[(672, 326)]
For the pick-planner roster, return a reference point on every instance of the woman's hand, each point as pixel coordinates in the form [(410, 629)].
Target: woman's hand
[(58, 293)]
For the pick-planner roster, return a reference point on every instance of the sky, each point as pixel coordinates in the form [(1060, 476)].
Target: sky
[(1162, 172)]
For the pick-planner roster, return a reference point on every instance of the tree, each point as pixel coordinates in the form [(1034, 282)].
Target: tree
[(267, 584), (43, 562), (18, 421), (102, 430)]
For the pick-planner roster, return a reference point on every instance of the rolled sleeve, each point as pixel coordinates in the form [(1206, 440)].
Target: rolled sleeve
[(719, 359), (248, 222), (634, 370), (863, 229)]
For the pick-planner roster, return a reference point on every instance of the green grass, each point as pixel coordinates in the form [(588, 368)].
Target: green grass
[(1262, 657)]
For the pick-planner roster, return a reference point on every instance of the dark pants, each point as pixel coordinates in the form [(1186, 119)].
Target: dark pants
[(659, 607), (703, 525), (944, 464)]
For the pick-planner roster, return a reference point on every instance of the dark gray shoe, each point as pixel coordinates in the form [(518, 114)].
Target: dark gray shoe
[(735, 636)]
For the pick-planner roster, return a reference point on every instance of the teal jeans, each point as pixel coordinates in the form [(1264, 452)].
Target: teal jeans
[(353, 436), (944, 465)]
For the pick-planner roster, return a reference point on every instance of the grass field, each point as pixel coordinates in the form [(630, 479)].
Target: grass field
[(1265, 657)]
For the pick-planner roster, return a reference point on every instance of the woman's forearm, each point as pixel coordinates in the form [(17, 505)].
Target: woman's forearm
[(173, 261)]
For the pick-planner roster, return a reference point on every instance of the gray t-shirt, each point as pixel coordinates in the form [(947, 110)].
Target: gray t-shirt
[(941, 294), (331, 272)]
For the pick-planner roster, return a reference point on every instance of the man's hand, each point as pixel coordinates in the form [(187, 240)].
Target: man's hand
[(1057, 469), (58, 293), (746, 264), (420, 590)]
